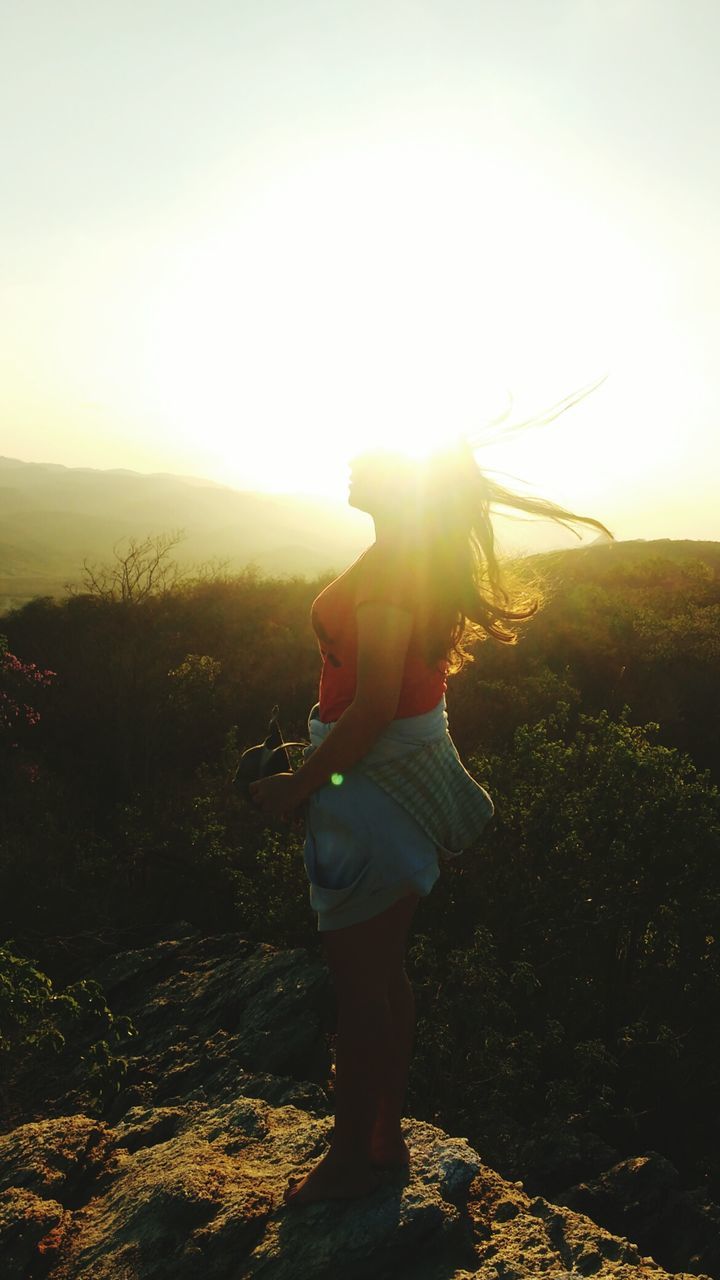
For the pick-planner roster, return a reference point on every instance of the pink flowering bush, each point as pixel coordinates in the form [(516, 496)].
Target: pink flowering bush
[(17, 680)]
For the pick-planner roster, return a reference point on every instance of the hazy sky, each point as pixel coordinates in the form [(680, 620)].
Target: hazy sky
[(243, 240)]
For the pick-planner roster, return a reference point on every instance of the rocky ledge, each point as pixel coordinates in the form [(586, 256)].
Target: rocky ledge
[(183, 1176)]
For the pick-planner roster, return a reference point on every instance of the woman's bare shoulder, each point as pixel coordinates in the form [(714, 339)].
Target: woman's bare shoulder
[(387, 573)]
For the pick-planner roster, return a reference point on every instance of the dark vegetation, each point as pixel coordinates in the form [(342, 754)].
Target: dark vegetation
[(566, 970)]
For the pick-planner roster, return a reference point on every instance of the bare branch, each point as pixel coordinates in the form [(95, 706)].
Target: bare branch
[(143, 569)]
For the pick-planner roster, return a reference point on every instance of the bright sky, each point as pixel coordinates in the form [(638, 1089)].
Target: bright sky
[(243, 240)]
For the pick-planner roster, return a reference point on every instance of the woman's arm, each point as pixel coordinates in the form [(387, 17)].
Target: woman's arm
[(383, 632), (383, 636)]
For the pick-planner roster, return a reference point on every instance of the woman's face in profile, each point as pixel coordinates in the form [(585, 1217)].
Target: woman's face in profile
[(380, 479)]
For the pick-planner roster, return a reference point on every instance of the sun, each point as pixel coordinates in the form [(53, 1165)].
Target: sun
[(382, 296)]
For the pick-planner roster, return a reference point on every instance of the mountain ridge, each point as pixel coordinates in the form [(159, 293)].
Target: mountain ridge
[(53, 517)]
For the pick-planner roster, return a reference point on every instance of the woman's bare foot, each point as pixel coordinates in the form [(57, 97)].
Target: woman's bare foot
[(389, 1152), (332, 1180)]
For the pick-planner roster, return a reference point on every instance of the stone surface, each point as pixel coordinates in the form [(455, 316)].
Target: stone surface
[(642, 1197), (183, 1176), (561, 1156), (27, 1223), (196, 1190), (236, 1000)]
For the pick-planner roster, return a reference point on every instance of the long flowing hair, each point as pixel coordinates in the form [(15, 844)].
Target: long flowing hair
[(473, 593)]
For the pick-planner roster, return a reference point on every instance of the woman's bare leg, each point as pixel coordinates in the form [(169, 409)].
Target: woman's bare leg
[(365, 960), (388, 1145)]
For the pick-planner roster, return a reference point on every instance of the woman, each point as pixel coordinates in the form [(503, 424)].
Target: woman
[(391, 630)]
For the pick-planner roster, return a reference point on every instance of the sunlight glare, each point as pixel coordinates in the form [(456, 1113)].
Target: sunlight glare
[(384, 295)]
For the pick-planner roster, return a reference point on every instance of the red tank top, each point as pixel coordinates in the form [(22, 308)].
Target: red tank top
[(377, 574)]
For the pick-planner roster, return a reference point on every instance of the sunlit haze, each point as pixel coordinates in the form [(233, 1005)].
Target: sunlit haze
[(244, 241)]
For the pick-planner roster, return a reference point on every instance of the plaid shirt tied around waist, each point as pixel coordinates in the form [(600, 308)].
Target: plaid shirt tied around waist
[(417, 763), (435, 788)]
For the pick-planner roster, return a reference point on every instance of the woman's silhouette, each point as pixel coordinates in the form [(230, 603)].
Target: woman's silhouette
[(391, 629)]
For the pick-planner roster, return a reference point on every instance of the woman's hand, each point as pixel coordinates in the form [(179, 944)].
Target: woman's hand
[(277, 795)]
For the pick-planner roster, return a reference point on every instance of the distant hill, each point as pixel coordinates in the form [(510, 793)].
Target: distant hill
[(639, 561), (53, 517)]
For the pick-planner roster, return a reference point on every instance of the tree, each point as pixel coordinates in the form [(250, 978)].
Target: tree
[(75, 1024), (144, 569)]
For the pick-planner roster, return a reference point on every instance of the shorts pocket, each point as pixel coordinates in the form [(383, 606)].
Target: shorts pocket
[(327, 900), (337, 854)]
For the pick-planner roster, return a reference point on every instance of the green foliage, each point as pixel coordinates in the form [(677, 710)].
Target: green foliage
[(567, 971), (36, 1020), (574, 957), (630, 624)]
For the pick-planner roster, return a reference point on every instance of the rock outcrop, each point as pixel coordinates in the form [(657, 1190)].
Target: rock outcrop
[(183, 1176), (642, 1197)]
